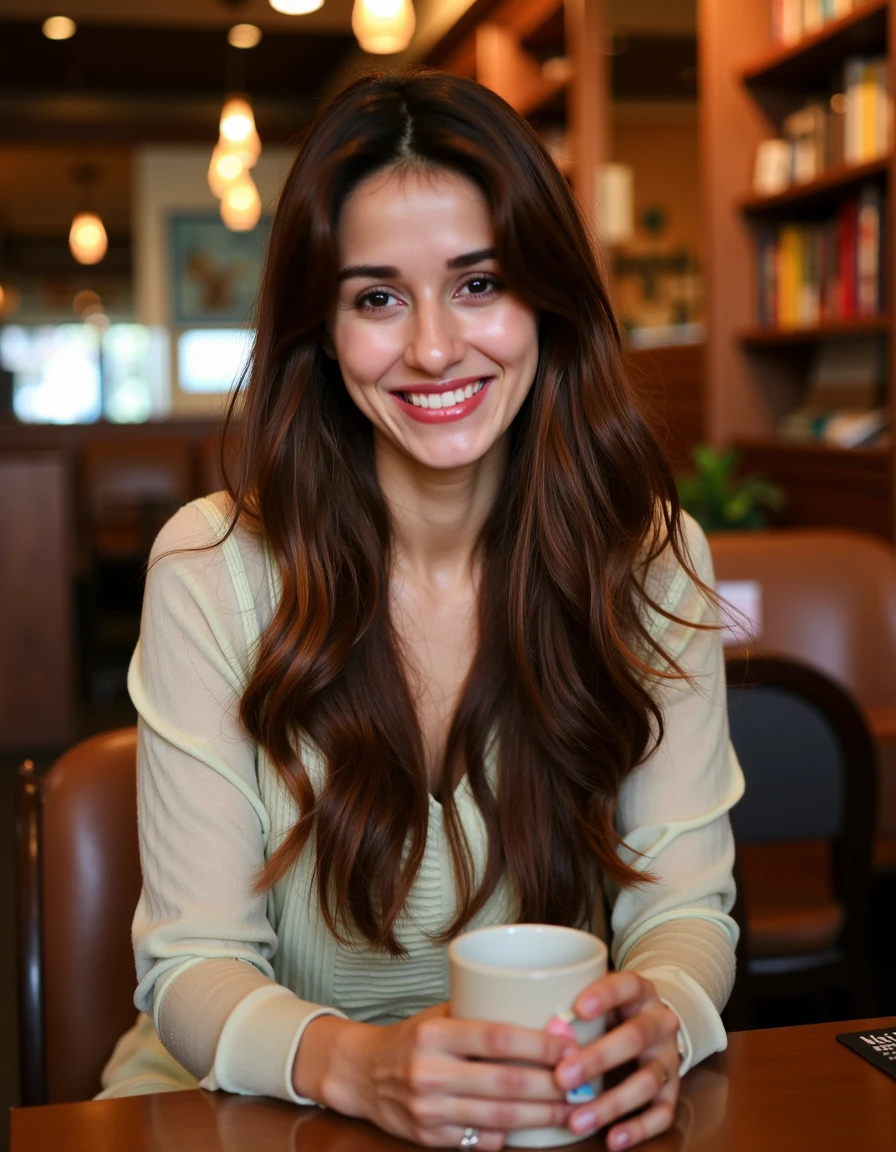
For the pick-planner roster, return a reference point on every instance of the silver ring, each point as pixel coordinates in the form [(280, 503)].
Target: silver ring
[(470, 1138)]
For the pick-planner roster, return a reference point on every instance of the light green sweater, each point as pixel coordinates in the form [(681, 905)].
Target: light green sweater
[(232, 978)]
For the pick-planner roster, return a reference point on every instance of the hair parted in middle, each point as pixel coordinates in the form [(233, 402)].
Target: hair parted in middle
[(559, 704)]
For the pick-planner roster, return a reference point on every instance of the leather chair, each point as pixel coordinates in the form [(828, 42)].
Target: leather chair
[(803, 829), (828, 598), (78, 886)]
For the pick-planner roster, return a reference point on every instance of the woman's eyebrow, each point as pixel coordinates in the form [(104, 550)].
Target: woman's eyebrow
[(387, 271)]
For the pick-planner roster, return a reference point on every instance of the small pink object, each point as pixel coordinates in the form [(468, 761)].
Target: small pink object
[(562, 1026)]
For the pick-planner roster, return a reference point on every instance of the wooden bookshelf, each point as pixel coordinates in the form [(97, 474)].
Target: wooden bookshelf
[(827, 189), (802, 65), (854, 328), (756, 374)]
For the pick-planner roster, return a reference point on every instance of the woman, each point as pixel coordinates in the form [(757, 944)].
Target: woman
[(443, 657)]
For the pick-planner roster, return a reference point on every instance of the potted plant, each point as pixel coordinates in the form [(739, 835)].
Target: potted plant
[(719, 499)]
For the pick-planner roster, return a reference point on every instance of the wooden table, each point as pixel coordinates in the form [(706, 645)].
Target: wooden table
[(785, 1088)]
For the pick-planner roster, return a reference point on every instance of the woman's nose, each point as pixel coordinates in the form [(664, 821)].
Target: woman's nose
[(434, 341)]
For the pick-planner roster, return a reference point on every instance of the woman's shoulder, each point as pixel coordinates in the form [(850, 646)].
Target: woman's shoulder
[(203, 526), (676, 579)]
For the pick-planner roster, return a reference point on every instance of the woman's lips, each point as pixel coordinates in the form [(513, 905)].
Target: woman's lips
[(456, 411)]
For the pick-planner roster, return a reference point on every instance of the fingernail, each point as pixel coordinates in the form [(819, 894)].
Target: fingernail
[(584, 1121), (571, 1076), (620, 1140), (569, 1051), (589, 1006)]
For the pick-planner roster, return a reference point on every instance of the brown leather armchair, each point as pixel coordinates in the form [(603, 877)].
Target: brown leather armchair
[(828, 598), (78, 886)]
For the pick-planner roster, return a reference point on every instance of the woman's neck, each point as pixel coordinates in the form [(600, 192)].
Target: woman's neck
[(438, 514)]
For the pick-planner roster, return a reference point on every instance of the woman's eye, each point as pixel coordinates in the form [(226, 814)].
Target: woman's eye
[(480, 286), (375, 299)]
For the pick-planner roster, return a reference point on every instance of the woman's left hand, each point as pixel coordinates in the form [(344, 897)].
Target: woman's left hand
[(640, 1028)]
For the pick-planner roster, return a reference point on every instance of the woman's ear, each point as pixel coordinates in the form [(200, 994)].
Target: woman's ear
[(326, 342)]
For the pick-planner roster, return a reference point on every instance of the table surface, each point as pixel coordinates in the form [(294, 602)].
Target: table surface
[(784, 1088)]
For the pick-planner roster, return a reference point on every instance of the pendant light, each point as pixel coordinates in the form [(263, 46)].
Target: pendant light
[(238, 127), (241, 205), (296, 7), (87, 238), (383, 26), (226, 167)]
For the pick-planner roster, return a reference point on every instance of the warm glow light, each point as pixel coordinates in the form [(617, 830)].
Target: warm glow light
[(243, 36), (241, 205), (226, 167), (87, 238), (296, 7), (86, 301), (59, 28), (383, 26), (238, 128)]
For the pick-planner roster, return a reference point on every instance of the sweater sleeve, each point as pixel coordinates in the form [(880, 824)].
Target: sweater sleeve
[(673, 816), (202, 938)]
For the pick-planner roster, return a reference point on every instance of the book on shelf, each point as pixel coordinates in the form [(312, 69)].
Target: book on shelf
[(843, 400), (810, 272), (851, 125), (792, 20)]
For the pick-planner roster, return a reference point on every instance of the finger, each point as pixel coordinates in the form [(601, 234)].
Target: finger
[(485, 1080), (639, 1128), (629, 1041), (642, 1087), (494, 1115), (613, 991), (496, 1042)]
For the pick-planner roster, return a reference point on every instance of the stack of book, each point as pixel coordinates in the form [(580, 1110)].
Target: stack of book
[(853, 125), (843, 401), (792, 20), (812, 272)]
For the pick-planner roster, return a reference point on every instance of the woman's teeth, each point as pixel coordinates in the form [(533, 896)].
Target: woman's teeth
[(444, 399)]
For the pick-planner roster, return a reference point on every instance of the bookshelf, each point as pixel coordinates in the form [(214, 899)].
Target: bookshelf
[(757, 368)]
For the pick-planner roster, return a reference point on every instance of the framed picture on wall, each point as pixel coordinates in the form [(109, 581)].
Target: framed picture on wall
[(214, 272)]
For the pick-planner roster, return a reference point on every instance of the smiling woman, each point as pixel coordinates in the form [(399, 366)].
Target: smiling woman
[(442, 656)]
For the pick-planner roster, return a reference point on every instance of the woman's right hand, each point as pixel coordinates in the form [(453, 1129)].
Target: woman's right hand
[(429, 1078)]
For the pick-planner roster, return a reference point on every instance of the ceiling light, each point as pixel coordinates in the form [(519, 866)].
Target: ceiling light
[(383, 26), (243, 36), (238, 127), (241, 205), (87, 238), (296, 7), (59, 28)]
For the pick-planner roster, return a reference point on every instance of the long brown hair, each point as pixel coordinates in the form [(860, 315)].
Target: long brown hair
[(561, 675)]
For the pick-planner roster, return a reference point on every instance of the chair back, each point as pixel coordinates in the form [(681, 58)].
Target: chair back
[(79, 883), (810, 765)]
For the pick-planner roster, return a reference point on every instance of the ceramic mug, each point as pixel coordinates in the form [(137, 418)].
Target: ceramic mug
[(529, 975)]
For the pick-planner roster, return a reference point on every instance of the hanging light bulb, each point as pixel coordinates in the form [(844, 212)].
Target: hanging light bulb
[(238, 127), (296, 7), (227, 166), (383, 26), (241, 205), (87, 238)]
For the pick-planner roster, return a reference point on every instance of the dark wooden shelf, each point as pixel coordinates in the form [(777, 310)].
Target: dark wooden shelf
[(803, 64), (826, 189), (769, 337), (821, 454)]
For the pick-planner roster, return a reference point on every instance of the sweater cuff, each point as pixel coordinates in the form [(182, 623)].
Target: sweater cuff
[(257, 1048), (700, 1031)]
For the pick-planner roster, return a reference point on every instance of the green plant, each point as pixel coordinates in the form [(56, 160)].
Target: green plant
[(719, 499)]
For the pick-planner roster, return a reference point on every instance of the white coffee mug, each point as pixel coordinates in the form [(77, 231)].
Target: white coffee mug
[(527, 974)]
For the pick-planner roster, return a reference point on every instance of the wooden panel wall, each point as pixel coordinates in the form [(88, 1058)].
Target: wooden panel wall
[(36, 669)]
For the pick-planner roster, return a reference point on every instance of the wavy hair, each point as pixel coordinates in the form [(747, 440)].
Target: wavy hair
[(560, 687)]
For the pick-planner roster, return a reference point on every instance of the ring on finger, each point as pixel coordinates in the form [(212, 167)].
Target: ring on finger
[(664, 1074), (470, 1138)]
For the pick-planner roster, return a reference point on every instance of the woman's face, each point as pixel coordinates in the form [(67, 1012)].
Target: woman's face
[(434, 350)]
